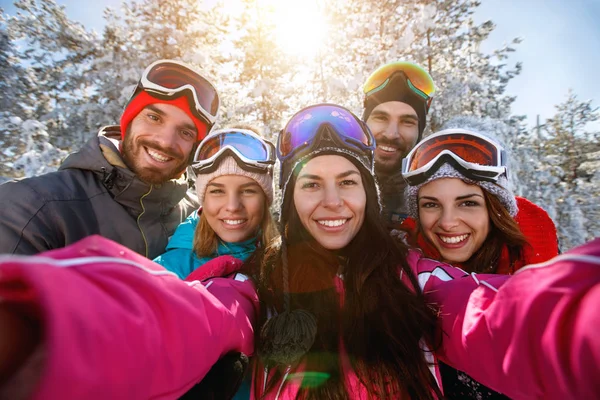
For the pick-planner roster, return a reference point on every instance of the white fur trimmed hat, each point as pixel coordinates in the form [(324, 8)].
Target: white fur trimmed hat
[(229, 166)]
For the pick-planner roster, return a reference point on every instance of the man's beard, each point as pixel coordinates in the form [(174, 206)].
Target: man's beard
[(391, 168), (131, 153), (386, 169)]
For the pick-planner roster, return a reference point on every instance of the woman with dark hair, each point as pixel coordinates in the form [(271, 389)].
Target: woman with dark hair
[(318, 246), (344, 311), (491, 231), (464, 213), (345, 307)]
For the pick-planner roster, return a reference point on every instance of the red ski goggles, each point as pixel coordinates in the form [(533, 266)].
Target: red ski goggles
[(301, 130), (476, 156), (169, 79), (418, 80), (251, 151)]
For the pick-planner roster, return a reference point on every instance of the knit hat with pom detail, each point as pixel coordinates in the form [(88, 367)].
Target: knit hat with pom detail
[(143, 99), (229, 166), (500, 189)]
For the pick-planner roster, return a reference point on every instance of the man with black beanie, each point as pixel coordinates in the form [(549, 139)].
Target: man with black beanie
[(397, 99)]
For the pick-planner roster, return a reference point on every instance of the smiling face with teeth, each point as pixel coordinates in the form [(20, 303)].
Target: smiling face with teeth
[(453, 216), (158, 143), (395, 126), (234, 207), (330, 199)]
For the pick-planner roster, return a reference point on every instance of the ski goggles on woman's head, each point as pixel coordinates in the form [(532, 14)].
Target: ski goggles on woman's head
[(251, 151), (418, 80), (168, 79), (301, 130), (476, 156)]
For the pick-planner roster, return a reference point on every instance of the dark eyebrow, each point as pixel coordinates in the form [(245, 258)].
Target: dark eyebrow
[(155, 109), (347, 173), (466, 196), (160, 112), (401, 116), (339, 176)]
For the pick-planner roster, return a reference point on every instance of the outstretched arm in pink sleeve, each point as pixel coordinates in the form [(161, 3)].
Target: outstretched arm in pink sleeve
[(532, 335), (116, 325)]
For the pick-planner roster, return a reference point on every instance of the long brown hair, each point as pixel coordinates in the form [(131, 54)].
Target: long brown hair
[(504, 231), (383, 322), (206, 239)]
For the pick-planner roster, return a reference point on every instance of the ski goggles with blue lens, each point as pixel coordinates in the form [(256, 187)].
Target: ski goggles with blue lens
[(474, 155), (301, 130), (326, 127), (169, 79), (418, 80), (252, 152)]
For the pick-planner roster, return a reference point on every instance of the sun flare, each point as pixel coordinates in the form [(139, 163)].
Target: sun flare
[(300, 27)]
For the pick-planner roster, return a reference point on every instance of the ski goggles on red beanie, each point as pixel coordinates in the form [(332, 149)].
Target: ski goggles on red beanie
[(251, 151), (474, 155), (144, 99), (169, 79)]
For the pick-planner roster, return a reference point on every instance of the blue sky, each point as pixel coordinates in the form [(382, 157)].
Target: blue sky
[(560, 48)]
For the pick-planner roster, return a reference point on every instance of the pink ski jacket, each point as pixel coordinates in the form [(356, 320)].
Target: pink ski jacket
[(119, 326)]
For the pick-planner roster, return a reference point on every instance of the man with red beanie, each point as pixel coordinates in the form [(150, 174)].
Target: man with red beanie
[(129, 182), (396, 103)]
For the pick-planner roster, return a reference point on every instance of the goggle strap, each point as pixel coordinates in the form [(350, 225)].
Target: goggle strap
[(417, 91), (378, 88)]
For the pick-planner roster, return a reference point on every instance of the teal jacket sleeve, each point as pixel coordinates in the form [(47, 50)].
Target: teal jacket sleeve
[(179, 256)]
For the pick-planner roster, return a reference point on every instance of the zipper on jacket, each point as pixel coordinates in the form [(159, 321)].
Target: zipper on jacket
[(140, 216), (109, 178), (265, 380), (287, 372)]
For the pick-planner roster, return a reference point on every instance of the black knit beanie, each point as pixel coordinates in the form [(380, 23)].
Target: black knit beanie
[(397, 89)]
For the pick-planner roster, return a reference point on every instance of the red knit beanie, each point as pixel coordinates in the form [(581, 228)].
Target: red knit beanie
[(143, 99)]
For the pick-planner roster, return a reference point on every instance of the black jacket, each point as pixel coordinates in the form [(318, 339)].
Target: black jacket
[(93, 192), (395, 209)]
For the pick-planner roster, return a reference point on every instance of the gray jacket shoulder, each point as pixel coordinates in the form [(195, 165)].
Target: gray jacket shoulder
[(33, 211)]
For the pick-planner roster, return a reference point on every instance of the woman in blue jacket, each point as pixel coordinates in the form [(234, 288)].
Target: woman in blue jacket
[(234, 183)]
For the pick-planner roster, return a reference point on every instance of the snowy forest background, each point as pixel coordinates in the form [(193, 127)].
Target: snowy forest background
[(59, 83)]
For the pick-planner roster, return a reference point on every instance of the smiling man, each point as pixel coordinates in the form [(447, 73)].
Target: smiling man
[(128, 183), (396, 102)]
